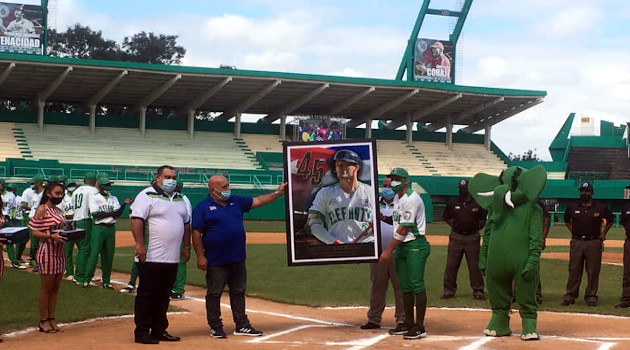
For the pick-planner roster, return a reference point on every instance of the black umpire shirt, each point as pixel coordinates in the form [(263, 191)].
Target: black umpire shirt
[(466, 215), (587, 221), (624, 220)]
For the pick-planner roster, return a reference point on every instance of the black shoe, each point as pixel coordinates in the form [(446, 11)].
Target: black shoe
[(165, 337), (447, 296), (415, 333), (479, 296), (567, 302), (248, 331), (146, 339), (177, 296), (370, 325), (399, 330), (217, 333), (623, 305), (591, 303)]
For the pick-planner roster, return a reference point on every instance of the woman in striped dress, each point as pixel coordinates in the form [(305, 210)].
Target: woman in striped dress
[(50, 255)]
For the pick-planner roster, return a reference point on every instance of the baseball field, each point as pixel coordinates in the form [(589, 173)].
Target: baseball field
[(326, 308)]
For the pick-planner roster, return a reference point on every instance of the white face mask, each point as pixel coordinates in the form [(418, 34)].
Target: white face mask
[(396, 185), (169, 185)]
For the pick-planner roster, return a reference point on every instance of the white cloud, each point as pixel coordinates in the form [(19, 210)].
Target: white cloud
[(571, 21)]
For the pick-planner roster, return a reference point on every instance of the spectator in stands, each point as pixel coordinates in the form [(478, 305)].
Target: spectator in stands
[(162, 211), (30, 200), (466, 218), (177, 293), (382, 273), (624, 301), (584, 220), (219, 240), (104, 208), (50, 254)]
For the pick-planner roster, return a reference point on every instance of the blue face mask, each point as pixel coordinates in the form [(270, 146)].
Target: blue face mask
[(169, 185), (387, 193), (225, 195)]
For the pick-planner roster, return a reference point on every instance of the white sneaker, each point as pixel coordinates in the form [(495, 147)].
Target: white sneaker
[(128, 289), (70, 278)]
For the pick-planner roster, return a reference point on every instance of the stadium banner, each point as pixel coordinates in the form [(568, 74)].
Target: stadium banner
[(22, 27), (433, 61), (316, 128), (332, 210)]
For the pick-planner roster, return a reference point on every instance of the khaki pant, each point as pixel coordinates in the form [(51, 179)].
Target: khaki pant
[(458, 246), (584, 255)]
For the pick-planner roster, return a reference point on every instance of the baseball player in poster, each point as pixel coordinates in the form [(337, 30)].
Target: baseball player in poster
[(412, 251), (342, 213)]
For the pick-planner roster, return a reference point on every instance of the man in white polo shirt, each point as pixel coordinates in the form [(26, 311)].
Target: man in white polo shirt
[(162, 211)]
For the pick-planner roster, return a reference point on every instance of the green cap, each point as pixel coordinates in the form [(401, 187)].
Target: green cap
[(37, 178), (53, 178), (2, 181), (89, 176), (63, 178), (104, 180), (12, 185), (399, 172)]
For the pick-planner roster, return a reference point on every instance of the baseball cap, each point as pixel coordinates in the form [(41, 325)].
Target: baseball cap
[(37, 178), (53, 178), (12, 185), (89, 176), (438, 45), (104, 180), (586, 186), (399, 172), (2, 181), (462, 183), (63, 178)]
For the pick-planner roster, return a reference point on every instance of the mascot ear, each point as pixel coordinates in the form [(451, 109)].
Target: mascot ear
[(483, 183), (532, 182)]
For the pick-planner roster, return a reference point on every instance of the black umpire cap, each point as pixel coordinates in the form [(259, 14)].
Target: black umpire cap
[(586, 186)]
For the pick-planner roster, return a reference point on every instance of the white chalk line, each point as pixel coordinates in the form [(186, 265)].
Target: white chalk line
[(476, 344)]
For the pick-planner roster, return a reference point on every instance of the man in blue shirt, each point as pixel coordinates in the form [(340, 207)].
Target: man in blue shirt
[(219, 242)]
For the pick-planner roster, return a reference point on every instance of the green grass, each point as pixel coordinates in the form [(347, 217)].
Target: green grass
[(270, 278)]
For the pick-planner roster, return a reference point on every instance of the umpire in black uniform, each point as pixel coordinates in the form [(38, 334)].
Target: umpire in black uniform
[(624, 301), (466, 218), (584, 220)]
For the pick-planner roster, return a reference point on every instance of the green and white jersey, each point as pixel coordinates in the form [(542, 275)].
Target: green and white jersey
[(8, 203), (31, 198), (345, 215), (81, 200), (409, 211), (17, 213), (102, 204), (67, 204)]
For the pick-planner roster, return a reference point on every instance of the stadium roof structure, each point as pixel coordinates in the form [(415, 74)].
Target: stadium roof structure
[(275, 95)]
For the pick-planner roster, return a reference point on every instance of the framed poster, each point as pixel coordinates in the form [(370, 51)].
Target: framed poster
[(332, 202)]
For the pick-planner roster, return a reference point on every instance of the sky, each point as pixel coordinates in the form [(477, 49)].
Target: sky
[(575, 50)]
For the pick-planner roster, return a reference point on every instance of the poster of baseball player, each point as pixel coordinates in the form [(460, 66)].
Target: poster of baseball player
[(332, 212), (432, 60), (21, 27)]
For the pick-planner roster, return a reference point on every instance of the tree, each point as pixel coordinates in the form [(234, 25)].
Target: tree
[(527, 155), (82, 42), (152, 48)]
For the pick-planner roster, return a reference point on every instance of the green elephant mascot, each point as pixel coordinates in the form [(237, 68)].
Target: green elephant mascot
[(510, 253)]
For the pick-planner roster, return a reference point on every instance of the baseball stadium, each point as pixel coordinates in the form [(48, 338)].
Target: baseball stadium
[(56, 120)]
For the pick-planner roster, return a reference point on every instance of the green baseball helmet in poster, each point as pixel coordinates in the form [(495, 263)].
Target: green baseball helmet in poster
[(22, 27), (433, 61)]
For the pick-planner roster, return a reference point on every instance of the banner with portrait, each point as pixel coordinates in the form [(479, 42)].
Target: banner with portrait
[(22, 27), (332, 202), (433, 61)]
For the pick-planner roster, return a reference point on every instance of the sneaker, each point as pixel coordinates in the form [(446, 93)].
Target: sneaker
[(623, 305), (249, 331), (370, 325), (107, 286), (76, 281), (70, 278), (130, 288), (591, 303), (399, 330), (177, 296), (21, 261), (218, 333), (479, 296), (415, 333), (567, 302), (18, 266), (85, 285)]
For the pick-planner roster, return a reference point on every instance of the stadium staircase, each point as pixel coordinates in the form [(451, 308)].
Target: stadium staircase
[(610, 163), (12, 144), (394, 153)]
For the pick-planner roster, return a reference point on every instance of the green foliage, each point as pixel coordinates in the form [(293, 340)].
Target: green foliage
[(527, 155)]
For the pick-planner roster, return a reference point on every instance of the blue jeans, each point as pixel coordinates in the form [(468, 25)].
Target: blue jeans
[(234, 275)]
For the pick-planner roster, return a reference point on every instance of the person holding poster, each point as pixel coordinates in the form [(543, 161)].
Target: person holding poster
[(342, 213)]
